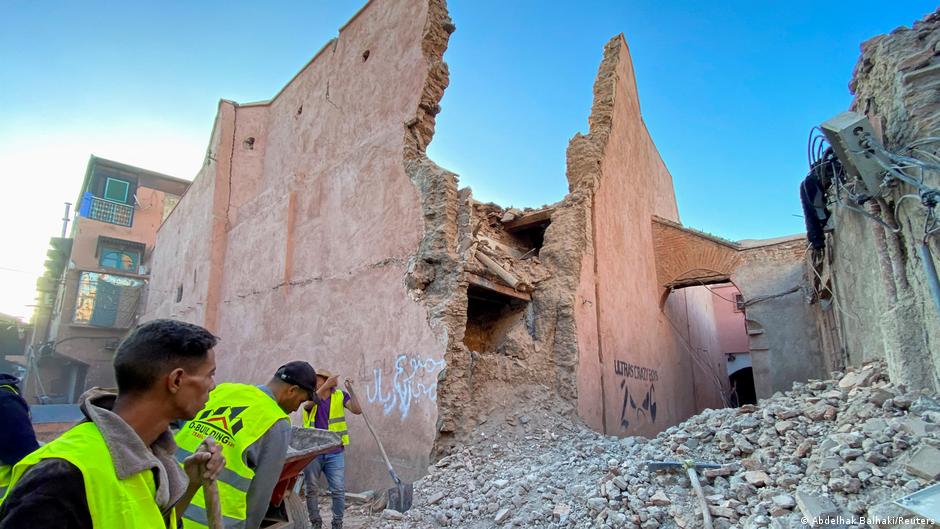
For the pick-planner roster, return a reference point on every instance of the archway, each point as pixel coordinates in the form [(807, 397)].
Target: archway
[(742, 387)]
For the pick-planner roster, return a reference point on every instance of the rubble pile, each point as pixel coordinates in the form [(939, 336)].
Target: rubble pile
[(846, 446), (517, 257)]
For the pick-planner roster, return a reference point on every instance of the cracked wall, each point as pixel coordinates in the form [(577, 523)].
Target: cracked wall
[(877, 304), (295, 238), (320, 230)]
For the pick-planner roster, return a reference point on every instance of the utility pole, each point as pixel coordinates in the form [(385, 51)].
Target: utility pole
[(65, 219)]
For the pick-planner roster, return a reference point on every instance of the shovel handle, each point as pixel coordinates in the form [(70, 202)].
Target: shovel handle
[(376, 437), (706, 514)]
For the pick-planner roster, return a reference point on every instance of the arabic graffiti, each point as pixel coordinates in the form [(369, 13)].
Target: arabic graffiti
[(414, 378), (630, 409)]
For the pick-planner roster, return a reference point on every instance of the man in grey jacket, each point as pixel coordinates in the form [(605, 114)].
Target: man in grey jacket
[(253, 427), (164, 371)]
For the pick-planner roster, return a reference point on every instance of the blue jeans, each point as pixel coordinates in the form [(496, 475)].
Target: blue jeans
[(334, 466)]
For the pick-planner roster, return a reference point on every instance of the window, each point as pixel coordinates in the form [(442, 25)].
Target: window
[(106, 300), (739, 303), (125, 260), (116, 190), (118, 254)]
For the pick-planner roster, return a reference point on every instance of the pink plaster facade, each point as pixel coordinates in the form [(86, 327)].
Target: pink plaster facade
[(295, 237), (732, 331), (640, 355)]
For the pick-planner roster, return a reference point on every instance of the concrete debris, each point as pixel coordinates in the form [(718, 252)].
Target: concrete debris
[(815, 508), (660, 499), (925, 463), (390, 514), (502, 515), (560, 513), (360, 497), (555, 472)]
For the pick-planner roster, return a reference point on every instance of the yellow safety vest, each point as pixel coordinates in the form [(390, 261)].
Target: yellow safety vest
[(6, 471), (236, 416), (113, 503), (337, 422)]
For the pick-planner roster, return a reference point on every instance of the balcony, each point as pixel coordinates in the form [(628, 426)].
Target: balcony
[(107, 210)]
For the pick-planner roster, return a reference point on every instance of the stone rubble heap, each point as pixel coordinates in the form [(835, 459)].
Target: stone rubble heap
[(847, 446)]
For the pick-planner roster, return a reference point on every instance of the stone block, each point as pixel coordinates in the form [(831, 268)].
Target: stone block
[(368, 495), (815, 508), (757, 478), (389, 514), (924, 463)]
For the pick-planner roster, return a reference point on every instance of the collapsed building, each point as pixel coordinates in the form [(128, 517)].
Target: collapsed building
[(319, 229), (874, 267)]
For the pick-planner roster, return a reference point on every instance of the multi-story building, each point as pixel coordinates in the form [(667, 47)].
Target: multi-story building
[(95, 279)]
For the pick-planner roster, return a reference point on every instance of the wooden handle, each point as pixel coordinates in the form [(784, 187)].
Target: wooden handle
[(706, 514), (213, 508), (376, 437)]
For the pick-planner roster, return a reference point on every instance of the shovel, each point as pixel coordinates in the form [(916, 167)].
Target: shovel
[(691, 469), (401, 495)]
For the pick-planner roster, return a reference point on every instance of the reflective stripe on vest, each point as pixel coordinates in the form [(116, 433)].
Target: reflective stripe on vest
[(6, 472), (12, 389), (112, 503), (337, 422), (236, 416)]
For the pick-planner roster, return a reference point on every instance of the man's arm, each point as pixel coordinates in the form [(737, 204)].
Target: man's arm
[(326, 388), (266, 457), (51, 495), (351, 401), (17, 438), (201, 467)]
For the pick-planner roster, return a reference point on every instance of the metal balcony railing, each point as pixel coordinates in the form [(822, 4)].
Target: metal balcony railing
[(110, 211)]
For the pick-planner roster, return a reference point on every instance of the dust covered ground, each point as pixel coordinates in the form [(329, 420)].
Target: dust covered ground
[(845, 446)]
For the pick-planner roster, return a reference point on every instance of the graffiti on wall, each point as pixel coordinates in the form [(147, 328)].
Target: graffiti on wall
[(413, 380), (638, 404)]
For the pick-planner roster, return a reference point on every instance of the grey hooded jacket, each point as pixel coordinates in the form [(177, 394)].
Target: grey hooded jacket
[(52, 493)]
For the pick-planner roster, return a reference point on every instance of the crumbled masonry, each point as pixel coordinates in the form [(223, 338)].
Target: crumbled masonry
[(849, 445)]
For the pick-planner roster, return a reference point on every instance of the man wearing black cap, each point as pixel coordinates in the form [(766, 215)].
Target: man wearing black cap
[(251, 424)]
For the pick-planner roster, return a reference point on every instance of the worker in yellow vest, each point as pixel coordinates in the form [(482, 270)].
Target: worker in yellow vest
[(17, 438), (253, 428), (328, 412), (117, 468)]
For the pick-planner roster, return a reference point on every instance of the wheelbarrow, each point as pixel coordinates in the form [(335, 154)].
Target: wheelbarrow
[(287, 509)]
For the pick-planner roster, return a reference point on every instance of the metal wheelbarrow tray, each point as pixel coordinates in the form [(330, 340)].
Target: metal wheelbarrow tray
[(305, 445)]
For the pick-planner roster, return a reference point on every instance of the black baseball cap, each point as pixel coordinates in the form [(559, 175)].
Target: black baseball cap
[(299, 373)]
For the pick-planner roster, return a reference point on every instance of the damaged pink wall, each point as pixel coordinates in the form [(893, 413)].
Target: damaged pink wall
[(314, 237), (180, 262), (638, 352)]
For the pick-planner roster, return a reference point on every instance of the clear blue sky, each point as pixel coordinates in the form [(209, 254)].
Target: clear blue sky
[(729, 91)]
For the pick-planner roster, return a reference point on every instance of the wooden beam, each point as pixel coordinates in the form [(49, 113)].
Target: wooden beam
[(698, 281), (493, 286), (497, 269), (530, 220)]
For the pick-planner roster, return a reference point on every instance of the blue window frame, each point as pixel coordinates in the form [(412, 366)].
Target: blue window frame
[(119, 259)]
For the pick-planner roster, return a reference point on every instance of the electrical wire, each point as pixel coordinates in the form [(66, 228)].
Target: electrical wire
[(835, 300), (922, 141), (693, 353)]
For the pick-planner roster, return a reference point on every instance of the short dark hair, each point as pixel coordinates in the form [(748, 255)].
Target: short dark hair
[(156, 347)]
